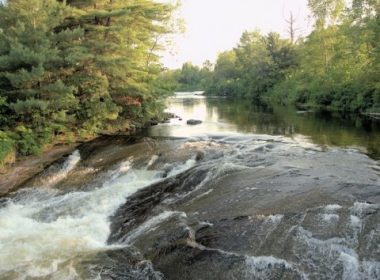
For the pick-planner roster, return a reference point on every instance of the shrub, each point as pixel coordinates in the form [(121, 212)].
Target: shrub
[(7, 149)]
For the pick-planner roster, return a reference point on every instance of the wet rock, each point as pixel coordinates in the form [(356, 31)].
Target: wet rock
[(170, 115), (126, 264), (193, 122), (193, 262), (199, 156), (153, 122), (146, 202), (17, 175)]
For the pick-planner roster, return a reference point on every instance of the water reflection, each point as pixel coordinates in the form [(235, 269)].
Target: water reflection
[(225, 116)]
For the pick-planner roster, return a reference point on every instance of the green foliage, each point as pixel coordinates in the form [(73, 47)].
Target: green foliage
[(26, 141), (6, 147), (253, 67), (336, 67), (190, 77), (76, 67)]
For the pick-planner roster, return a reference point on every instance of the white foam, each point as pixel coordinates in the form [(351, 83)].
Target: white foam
[(181, 168), (228, 168), (70, 163), (150, 225), (260, 263), (205, 193), (42, 230), (338, 251), (359, 209), (356, 223), (333, 207), (119, 170), (260, 267), (353, 269), (153, 159), (275, 219), (350, 266), (330, 217)]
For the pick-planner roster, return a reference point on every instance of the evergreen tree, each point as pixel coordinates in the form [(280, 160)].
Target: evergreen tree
[(31, 68), (75, 67)]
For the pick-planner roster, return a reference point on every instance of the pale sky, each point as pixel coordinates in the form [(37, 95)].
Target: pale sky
[(213, 26)]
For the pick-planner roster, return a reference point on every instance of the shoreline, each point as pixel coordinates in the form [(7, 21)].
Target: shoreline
[(12, 176)]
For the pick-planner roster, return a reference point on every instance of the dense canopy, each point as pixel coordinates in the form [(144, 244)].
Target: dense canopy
[(70, 69)]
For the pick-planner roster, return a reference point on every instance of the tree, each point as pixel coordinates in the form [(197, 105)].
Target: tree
[(32, 67), (291, 28), (224, 77), (326, 12), (72, 68)]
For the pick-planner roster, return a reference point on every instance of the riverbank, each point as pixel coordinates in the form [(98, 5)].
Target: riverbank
[(375, 116), (14, 175)]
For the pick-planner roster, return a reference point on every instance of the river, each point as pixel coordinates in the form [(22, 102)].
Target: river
[(251, 193)]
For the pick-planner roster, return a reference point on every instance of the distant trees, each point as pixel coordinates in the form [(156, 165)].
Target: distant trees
[(336, 67), (339, 61), (190, 77), (225, 78), (253, 67), (74, 68)]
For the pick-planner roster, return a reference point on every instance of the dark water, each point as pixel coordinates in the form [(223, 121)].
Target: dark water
[(221, 116)]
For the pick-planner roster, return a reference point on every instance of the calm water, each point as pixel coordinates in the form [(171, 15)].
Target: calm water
[(226, 116)]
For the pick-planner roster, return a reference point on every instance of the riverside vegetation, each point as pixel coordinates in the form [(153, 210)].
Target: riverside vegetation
[(336, 67), (71, 69)]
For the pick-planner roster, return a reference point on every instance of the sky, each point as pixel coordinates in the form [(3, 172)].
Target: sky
[(213, 26)]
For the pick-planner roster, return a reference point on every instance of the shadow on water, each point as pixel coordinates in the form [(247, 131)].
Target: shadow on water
[(323, 128)]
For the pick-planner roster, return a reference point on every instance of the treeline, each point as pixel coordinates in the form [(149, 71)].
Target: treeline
[(190, 77), (70, 69), (336, 67)]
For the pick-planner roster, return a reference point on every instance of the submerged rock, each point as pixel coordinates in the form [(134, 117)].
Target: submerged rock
[(193, 122)]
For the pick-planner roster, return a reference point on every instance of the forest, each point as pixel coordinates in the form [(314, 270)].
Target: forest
[(72, 69), (336, 67)]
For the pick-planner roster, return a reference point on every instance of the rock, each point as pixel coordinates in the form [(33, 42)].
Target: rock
[(199, 156), (169, 115), (193, 122), (15, 174)]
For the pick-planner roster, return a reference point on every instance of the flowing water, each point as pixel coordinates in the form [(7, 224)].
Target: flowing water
[(250, 193)]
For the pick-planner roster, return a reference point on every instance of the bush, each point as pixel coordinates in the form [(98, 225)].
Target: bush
[(7, 149), (27, 141)]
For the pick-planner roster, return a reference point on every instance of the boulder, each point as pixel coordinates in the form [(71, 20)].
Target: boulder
[(194, 122)]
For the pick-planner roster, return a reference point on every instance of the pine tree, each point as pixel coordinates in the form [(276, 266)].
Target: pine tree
[(78, 67), (123, 37), (31, 65)]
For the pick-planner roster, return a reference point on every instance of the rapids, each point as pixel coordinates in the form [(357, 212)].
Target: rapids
[(207, 202)]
